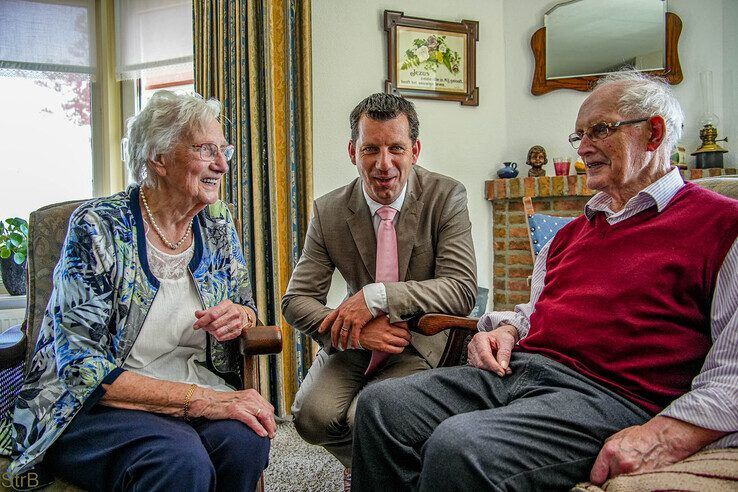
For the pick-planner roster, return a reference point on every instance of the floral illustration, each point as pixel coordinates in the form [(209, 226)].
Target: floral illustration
[(430, 53)]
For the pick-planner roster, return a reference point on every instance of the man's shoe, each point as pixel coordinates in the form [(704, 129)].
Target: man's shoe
[(347, 480)]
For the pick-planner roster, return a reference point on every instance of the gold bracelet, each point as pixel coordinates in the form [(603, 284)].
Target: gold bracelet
[(187, 399)]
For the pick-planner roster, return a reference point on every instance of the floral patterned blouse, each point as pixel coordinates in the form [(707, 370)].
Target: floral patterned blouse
[(103, 289)]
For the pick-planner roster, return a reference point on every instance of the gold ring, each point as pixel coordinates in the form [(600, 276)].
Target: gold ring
[(258, 411)]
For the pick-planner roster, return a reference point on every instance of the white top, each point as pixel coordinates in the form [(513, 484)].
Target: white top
[(167, 347), (375, 295)]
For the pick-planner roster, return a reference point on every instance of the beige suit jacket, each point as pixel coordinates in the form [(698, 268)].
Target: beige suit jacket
[(437, 266)]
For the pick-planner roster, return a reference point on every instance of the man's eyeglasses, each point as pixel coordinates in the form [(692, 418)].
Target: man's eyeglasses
[(600, 131), (209, 151)]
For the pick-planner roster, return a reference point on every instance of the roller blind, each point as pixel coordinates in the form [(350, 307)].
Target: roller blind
[(50, 36), (153, 37)]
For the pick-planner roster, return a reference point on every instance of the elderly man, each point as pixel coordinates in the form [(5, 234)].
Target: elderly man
[(401, 238), (628, 302)]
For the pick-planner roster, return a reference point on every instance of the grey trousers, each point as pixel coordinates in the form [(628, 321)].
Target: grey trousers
[(464, 428), (325, 404)]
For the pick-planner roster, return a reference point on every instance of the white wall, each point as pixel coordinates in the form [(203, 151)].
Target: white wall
[(349, 63), (730, 80), (547, 120)]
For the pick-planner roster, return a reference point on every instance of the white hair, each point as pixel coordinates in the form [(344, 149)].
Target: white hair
[(167, 119), (646, 96)]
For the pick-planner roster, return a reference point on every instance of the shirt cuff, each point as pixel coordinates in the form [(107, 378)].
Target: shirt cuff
[(490, 321), (375, 296)]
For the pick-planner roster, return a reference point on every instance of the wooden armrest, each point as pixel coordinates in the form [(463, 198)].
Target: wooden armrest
[(431, 324), (261, 340)]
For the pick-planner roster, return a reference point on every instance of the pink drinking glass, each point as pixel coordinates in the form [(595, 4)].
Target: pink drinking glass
[(561, 166)]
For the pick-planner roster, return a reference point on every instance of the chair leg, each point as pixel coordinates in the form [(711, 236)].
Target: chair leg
[(260, 484), (251, 372)]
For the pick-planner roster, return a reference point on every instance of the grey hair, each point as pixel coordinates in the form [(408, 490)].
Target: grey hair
[(646, 95), (167, 119), (383, 107)]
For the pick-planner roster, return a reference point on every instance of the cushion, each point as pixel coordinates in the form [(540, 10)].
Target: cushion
[(12, 352), (543, 227), (715, 470)]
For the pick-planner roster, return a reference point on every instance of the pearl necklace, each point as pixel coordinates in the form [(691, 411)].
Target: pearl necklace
[(158, 231)]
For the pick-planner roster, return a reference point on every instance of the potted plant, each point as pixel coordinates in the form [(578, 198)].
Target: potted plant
[(13, 251)]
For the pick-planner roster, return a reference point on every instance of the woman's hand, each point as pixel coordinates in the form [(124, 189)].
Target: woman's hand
[(225, 321), (247, 406)]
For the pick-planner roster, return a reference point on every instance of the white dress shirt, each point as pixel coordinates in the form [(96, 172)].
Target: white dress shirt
[(711, 403)]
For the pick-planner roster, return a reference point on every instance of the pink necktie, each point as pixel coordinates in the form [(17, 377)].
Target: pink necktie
[(387, 268)]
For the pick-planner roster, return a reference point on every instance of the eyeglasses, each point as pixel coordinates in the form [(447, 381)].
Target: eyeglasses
[(209, 151), (600, 131)]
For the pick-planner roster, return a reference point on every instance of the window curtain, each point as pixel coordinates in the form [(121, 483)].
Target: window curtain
[(152, 37), (254, 56), (48, 36)]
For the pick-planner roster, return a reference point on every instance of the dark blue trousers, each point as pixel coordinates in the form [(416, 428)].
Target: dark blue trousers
[(105, 448)]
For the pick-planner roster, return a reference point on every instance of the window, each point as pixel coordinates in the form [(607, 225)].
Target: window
[(45, 93), (180, 82), (46, 137), (62, 107)]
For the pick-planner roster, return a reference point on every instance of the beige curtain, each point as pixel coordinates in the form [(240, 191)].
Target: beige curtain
[(255, 58)]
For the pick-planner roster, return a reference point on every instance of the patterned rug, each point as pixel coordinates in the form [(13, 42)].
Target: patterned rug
[(295, 465)]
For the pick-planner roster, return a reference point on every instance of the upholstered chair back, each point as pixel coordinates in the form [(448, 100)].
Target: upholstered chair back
[(725, 185), (47, 229)]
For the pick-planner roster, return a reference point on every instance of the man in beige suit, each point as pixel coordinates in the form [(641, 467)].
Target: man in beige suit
[(435, 266)]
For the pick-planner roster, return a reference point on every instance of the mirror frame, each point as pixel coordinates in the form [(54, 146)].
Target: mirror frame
[(540, 85)]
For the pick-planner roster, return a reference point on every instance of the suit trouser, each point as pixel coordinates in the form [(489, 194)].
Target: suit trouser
[(325, 404), (115, 449), (464, 428)]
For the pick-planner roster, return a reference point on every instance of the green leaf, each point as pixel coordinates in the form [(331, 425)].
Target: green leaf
[(19, 258), (16, 239), (4, 253)]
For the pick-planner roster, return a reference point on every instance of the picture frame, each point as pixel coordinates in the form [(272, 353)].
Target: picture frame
[(431, 59)]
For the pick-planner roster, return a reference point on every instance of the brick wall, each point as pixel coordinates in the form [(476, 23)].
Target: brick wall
[(554, 195)]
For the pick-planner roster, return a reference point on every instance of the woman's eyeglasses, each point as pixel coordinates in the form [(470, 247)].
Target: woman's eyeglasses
[(209, 151)]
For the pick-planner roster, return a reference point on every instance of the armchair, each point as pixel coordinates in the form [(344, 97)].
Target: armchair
[(47, 231), (713, 469)]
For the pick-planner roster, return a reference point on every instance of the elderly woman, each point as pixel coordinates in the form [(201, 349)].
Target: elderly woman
[(133, 381)]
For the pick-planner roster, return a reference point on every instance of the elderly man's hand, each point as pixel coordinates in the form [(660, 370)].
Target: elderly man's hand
[(659, 442), (491, 350), (380, 334), (225, 321), (346, 321)]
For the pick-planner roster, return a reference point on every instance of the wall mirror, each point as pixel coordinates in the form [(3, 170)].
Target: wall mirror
[(585, 39)]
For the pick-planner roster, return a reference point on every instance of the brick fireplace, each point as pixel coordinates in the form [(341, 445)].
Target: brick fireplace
[(554, 195)]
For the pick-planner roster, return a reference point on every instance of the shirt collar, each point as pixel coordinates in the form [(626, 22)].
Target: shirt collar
[(659, 192), (374, 206)]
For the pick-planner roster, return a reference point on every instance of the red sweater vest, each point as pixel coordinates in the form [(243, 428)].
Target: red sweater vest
[(628, 305)]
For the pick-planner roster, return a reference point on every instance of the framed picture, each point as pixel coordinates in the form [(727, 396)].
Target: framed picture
[(431, 59)]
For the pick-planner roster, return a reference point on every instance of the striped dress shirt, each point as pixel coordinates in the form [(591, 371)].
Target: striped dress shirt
[(712, 402)]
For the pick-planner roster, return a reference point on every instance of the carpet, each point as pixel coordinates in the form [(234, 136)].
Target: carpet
[(295, 465)]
